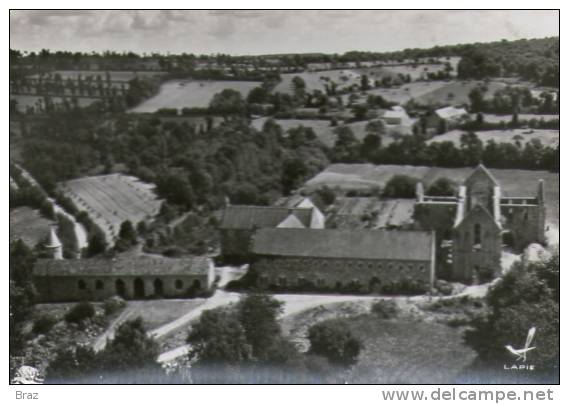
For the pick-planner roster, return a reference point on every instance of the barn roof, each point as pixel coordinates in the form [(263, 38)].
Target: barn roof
[(334, 243), (122, 266), (251, 217), (450, 112)]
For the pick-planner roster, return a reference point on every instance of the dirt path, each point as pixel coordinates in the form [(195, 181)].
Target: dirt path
[(109, 334), (80, 232), (220, 298)]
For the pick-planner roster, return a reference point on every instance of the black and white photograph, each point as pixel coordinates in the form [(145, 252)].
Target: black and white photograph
[(289, 197)]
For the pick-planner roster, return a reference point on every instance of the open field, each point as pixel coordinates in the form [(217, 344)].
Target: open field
[(325, 132), (28, 225), (415, 71), (404, 93), (368, 176), (111, 199), (114, 75), (25, 101), (408, 352), (456, 92), (415, 347), (318, 80), (433, 92), (548, 137), (191, 94)]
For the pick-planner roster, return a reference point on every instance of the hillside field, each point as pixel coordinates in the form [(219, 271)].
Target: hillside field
[(415, 71), (191, 94), (318, 80), (111, 199), (433, 92), (548, 137), (28, 225), (364, 177)]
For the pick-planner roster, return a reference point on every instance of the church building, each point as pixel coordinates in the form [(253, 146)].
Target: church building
[(478, 222)]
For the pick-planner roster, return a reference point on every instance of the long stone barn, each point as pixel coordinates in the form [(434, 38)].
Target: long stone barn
[(351, 261), (132, 278)]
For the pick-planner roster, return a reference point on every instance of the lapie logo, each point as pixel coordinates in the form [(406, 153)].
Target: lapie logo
[(521, 353)]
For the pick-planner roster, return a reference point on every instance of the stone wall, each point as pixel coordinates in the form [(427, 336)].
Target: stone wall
[(526, 224), (76, 288), (476, 260), (343, 275)]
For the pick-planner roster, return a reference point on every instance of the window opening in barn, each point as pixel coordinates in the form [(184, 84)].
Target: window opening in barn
[(120, 288), (158, 287), (139, 288)]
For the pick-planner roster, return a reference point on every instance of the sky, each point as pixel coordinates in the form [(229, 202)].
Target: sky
[(242, 32)]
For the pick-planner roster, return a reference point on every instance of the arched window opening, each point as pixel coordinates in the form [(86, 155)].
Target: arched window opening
[(179, 284), (81, 284), (99, 285), (120, 288)]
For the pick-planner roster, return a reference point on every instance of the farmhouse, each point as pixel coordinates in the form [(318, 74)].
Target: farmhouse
[(396, 116), (479, 221), (239, 223), (451, 114), (446, 118), (131, 278), (344, 260)]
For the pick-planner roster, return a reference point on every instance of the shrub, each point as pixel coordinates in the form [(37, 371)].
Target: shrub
[(43, 324), (79, 312), (113, 304), (334, 340), (385, 309), (442, 187), (400, 186)]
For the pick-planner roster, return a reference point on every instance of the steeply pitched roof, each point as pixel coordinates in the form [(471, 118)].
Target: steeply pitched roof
[(481, 170), (53, 241), (122, 266), (481, 212), (334, 243), (251, 217), (291, 222)]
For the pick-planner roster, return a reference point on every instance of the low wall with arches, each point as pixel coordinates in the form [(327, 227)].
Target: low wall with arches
[(93, 288)]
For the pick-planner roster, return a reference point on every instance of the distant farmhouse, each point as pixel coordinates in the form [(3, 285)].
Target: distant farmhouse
[(445, 119)]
